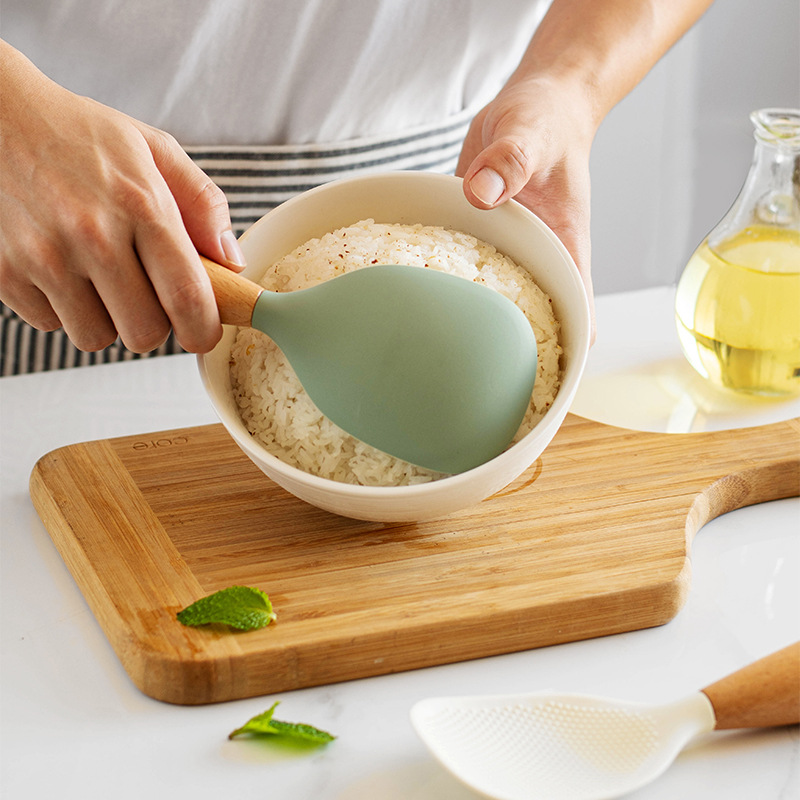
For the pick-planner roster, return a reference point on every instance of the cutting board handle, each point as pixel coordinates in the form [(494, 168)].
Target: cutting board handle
[(761, 695), (745, 466)]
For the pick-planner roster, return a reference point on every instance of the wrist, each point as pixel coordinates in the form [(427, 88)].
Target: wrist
[(23, 83), (567, 104)]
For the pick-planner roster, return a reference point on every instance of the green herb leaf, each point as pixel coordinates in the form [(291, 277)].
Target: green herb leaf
[(240, 607), (265, 725)]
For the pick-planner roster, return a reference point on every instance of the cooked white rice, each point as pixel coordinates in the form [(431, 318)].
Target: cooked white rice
[(276, 409)]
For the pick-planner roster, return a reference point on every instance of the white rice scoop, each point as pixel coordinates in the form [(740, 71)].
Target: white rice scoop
[(426, 366), (576, 747)]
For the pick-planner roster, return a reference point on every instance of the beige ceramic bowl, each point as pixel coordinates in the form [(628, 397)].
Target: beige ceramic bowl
[(430, 199)]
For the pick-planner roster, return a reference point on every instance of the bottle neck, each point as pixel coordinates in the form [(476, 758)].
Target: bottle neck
[(770, 195)]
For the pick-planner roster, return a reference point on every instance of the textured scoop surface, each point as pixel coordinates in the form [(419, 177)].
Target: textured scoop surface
[(557, 747)]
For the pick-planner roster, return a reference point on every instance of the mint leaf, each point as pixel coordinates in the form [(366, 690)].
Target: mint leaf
[(258, 724), (240, 607), (298, 730), (265, 725)]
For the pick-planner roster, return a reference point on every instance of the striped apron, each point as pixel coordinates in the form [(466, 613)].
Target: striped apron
[(254, 180)]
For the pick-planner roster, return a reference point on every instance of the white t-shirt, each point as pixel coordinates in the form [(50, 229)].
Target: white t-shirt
[(243, 72)]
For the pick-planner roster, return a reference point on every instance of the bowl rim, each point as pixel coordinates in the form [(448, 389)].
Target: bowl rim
[(553, 417)]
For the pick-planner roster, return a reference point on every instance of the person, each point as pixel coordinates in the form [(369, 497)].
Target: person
[(103, 212)]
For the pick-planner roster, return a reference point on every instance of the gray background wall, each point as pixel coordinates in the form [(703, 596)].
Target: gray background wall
[(670, 159)]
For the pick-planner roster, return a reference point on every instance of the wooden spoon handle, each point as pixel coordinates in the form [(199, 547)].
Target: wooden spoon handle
[(761, 695), (236, 296)]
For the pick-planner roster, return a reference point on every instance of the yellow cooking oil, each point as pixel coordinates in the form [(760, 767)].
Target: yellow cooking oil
[(738, 311)]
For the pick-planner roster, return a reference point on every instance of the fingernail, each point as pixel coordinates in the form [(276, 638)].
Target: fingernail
[(487, 186), (233, 253)]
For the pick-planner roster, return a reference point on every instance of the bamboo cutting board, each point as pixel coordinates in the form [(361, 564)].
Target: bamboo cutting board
[(593, 539)]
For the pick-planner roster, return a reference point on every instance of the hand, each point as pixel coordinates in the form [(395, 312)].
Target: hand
[(532, 143), (102, 217)]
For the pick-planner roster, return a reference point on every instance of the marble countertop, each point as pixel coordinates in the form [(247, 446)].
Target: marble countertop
[(74, 726)]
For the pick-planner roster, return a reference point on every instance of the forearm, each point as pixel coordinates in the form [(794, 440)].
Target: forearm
[(602, 48)]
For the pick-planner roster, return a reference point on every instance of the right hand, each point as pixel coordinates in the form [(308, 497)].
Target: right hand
[(534, 140), (102, 218)]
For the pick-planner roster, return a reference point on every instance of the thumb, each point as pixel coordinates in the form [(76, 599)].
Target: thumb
[(203, 205), (499, 172)]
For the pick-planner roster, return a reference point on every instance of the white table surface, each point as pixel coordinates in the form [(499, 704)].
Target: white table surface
[(74, 726)]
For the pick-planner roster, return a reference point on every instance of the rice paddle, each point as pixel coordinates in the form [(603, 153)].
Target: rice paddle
[(423, 365)]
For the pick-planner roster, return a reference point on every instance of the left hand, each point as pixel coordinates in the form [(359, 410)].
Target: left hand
[(532, 143)]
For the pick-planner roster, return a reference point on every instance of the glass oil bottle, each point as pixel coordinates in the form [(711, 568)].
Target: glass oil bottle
[(738, 299)]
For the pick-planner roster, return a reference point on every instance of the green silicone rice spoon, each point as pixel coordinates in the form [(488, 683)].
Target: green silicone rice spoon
[(424, 365)]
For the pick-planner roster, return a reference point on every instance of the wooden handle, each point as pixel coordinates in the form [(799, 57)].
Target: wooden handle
[(762, 695), (236, 296)]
